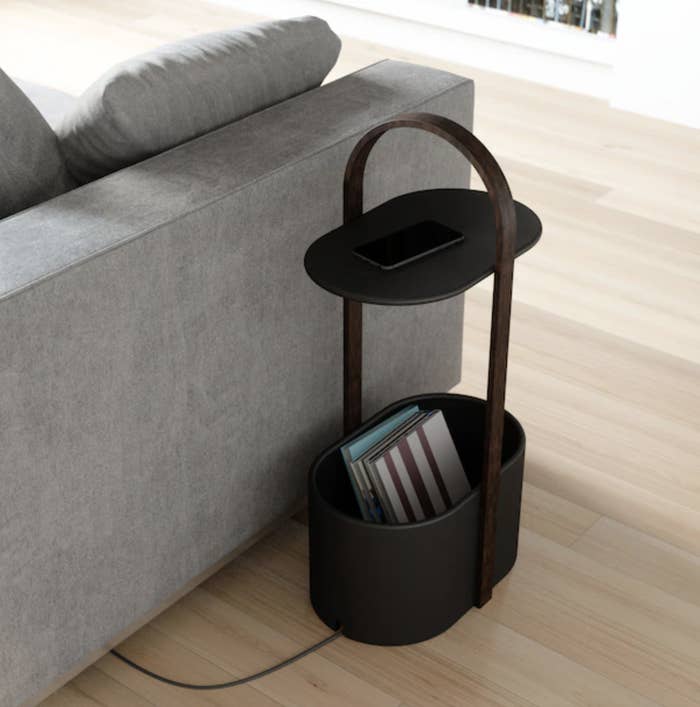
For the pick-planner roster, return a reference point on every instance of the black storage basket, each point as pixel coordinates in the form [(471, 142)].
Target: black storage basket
[(400, 584)]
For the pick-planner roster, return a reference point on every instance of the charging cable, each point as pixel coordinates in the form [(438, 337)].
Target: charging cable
[(233, 683)]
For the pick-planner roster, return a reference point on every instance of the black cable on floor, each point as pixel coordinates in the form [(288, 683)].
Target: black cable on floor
[(233, 683)]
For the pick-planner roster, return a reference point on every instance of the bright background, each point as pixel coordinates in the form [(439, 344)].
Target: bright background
[(652, 66)]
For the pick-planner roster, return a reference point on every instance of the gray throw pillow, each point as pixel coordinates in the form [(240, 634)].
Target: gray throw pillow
[(179, 91), (31, 166)]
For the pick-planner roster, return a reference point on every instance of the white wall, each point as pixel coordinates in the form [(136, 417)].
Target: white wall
[(657, 68)]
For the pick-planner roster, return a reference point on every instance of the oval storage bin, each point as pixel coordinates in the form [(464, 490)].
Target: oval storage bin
[(400, 584)]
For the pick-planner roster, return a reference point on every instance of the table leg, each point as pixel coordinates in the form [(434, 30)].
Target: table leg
[(352, 365)]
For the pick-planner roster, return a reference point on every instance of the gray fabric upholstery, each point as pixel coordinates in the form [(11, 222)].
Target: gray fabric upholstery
[(174, 93), (50, 102), (167, 369), (31, 166)]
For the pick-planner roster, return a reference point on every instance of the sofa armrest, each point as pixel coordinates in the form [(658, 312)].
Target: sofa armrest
[(168, 370), (65, 232)]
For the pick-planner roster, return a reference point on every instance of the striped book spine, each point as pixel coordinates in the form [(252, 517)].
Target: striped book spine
[(422, 473)]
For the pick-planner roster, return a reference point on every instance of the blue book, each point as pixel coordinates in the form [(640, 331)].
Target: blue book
[(352, 451)]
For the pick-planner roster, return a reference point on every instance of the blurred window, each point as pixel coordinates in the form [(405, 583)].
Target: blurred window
[(589, 15)]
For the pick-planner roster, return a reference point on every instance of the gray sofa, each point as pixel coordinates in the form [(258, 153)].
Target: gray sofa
[(168, 371)]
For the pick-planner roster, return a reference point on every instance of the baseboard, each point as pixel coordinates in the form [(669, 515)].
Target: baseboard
[(57, 684)]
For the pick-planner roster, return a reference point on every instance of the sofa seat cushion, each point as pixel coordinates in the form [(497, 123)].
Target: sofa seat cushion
[(32, 169), (172, 94)]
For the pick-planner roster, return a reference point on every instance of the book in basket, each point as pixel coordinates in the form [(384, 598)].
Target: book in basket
[(419, 475), (369, 504)]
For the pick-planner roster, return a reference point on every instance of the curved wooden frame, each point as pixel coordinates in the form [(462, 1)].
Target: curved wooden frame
[(504, 211)]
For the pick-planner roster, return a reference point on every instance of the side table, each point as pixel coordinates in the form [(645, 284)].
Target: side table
[(397, 584)]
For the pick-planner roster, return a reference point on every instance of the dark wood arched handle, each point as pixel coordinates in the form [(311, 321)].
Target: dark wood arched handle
[(504, 212)]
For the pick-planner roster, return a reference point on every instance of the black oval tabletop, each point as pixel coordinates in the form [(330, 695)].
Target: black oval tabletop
[(331, 263)]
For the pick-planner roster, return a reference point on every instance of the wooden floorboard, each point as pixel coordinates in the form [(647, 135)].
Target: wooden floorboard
[(603, 605)]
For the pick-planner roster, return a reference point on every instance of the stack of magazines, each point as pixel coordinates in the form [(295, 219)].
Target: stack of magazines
[(406, 469)]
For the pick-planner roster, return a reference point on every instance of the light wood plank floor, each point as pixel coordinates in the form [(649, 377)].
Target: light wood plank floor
[(603, 606)]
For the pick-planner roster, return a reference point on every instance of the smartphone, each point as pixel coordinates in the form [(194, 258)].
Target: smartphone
[(408, 244)]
